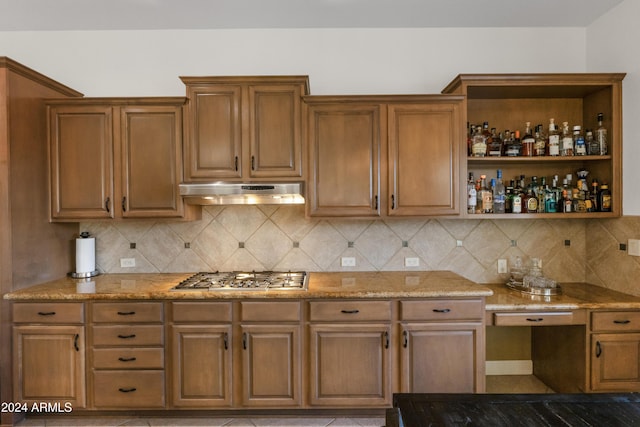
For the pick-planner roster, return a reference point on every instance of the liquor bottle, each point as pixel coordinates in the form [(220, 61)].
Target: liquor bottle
[(604, 198), (478, 143), (528, 141), (551, 198), (472, 196), (594, 194), (540, 146), (601, 136), (541, 193), (518, 196), (499, 194), (579, 144), (495, 146), (508, 202), (478, 196), (593, 148), (514, 147), (566, 202), (553, 143), (530, 203), (486, 196), (566, 145)]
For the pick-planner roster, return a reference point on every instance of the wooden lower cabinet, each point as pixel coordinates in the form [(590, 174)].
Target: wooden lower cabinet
[(441, 358), (201, 366), (615, 351), (350, 365), (49, 364), (271, 365), (49, 353)]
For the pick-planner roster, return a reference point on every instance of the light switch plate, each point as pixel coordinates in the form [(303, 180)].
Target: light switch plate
[(502, 266), (633, 247)]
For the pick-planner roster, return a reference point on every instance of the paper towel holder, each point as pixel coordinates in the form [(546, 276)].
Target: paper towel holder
[(88, 274)]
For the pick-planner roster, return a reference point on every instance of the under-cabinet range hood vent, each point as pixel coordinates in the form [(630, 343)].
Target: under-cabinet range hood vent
[(225, 193)]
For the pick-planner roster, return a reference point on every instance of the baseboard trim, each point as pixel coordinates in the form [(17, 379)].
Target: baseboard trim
[(509, 367)]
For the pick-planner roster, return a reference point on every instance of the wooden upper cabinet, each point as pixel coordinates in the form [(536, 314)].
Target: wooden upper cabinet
[(372, 156), (244, 128), (116, 158), (81, 161), (344, 168), (424, 158)]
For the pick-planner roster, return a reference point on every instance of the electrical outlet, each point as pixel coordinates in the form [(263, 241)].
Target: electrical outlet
[(633, 247), (127, 262), (502, 266), (412, 262), (348, 261)]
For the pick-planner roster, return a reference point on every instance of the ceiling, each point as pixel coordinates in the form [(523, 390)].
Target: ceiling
[(53, 15)]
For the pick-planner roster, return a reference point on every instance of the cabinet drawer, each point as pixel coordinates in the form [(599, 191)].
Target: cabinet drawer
[(201, 311), (48, 312), (128, 335), (284, 311), (447, 309), (626, 321), (349, 311), (129, 312), (533, 318), (128, 389), (128, 358)]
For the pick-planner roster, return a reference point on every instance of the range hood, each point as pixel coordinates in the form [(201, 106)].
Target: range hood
[(226, 193)]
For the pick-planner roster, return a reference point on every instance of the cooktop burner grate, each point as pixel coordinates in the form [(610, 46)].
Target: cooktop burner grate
[(236, 280)]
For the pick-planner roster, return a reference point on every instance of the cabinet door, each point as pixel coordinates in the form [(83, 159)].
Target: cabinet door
[(615, 362), (213, 147), (442, 358), (81, 161), (350, 365), (151, 139), (275, 131), (201, 365), (345, 148), (271, 365), (49, 364), (424, 142)]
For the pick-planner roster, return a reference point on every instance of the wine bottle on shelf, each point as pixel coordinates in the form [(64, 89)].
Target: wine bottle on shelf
[(472, 196), (566, 145), (601, 136), (499, 194), (553, 144)]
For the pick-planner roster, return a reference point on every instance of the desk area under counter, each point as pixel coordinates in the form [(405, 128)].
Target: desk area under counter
[(584, 340)]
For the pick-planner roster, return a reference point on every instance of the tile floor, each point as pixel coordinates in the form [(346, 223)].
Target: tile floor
[(495, 384)]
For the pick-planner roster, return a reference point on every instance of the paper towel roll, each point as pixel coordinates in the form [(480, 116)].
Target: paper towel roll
[(85, 255)]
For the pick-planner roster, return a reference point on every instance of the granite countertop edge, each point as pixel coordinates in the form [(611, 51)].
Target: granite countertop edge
[(330, 285)]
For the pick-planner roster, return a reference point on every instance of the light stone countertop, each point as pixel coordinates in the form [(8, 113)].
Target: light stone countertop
[(424, 284), (383, 285)]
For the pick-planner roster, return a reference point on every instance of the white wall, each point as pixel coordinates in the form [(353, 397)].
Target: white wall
[(612, 46), (148, 63)]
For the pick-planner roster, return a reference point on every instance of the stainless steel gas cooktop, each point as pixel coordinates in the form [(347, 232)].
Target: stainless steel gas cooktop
[(236, 280)]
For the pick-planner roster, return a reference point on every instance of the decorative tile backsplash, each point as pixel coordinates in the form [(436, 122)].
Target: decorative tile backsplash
[(281, 238)]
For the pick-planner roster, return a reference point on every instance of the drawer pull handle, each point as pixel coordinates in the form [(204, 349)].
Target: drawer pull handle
[(405, 339), (441, 310), (127, 390), (127, 359), (351, 311), (124, 204), (126, 313), (622, 322), (386, 339), (46, 313), (124, 337), (75, 342), (244, 341), (537, 319), (598, 349), (225, 338), (107, 204)]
